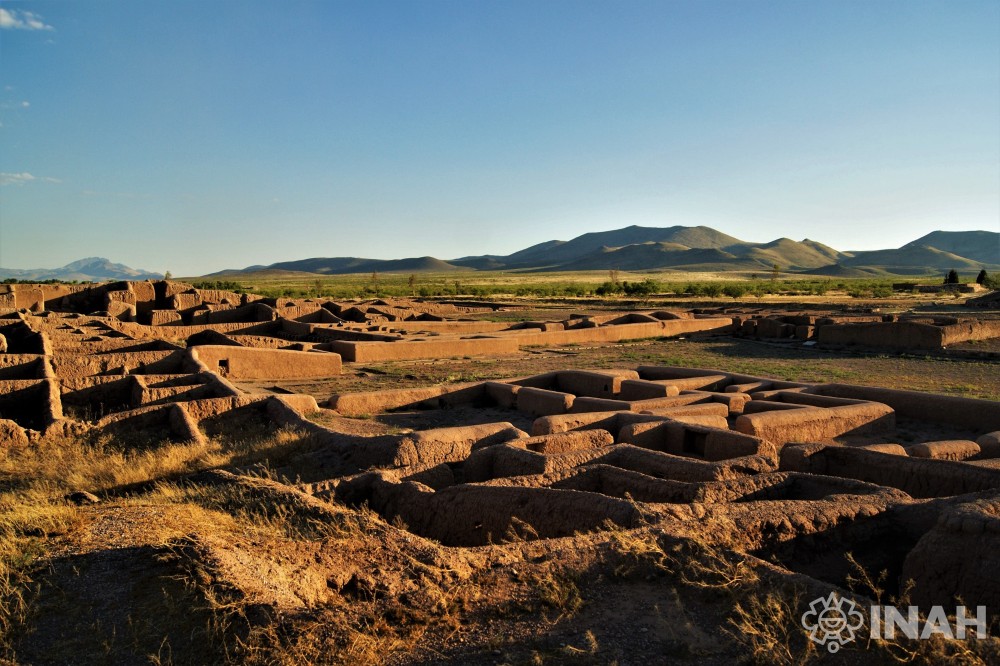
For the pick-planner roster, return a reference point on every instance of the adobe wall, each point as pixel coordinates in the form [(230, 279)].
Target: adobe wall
[(424, 448), (22, 296), (252, 313), (340, 332), (473, 515), (249, 363), (614, 421), (367, 352), (459, 327), (641, 389), (711, 441), (142, 332), (22, 339), (152, 362), (975, 414), (899, 335), (33, 404), (678, 468), (957, 558), (615, 333), (91, 398), (811, 424), (965, 331), (374, 402), (597, 384), (171, 419), (22, 366), (919, 477)]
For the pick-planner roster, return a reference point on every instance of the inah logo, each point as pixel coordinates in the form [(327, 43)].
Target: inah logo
[(832, 621)]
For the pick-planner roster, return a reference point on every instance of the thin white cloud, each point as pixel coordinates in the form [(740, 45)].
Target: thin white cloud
[(15, 19), (24, 177)]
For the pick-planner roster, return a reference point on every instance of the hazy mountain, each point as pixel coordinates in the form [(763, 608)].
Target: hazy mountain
[(342, 265), (556, 253), (788, 254), (91, 269), (912, 257), (981, 246), (687, 249)]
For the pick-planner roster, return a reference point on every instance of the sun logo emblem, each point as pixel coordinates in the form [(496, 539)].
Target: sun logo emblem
[(832, 621)]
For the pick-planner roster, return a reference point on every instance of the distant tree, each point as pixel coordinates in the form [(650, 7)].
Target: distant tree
[(981, 278), (952, 277), (609, 288), (412, 281), (168, 275), (735, 289), (644, 288), (713, 289), (775, 269), (613, 275)]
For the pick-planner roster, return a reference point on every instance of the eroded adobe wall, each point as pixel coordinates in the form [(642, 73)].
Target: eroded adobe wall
[(33, 404), (975, 414), (615, 333), (249, 363), (811, 424), (897, 335), (965, 331), (365, 352), (918, 477), (69, 366)]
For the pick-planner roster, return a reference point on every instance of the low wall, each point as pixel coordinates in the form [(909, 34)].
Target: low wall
[(33, 404), (972, 413), (811, 424), (965, 331), (367, 352), (250, 363), (919, 477), (896, 335), (69, 366), (617, 332), (375, 402)]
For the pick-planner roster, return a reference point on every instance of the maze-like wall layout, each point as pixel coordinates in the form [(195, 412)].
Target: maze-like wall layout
[(907, 482)]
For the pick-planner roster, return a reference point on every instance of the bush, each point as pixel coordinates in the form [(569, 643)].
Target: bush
[(735, 289), (608, 288), (713, 289), (644, 288)]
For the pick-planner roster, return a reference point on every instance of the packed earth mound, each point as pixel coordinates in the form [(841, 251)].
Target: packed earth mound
[(167, 498)]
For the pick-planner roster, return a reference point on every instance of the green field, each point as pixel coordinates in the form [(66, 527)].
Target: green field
[(562, 285)]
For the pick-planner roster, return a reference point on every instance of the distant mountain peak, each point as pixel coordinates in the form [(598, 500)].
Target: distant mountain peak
[(697, 248), (88, 269)]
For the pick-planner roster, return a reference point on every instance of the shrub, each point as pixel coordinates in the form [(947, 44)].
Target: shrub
[(735, 289)]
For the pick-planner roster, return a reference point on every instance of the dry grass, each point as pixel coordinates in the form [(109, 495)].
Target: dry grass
[(34, 480), (764, 621)]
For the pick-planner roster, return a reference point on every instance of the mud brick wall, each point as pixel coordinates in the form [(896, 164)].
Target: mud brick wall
[(919, 477), (249, 363), (30, 403), (897, 335), (980, 415), (365, 352), (811, 424)]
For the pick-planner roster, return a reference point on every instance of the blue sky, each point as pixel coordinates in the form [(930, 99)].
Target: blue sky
[(197, 136)]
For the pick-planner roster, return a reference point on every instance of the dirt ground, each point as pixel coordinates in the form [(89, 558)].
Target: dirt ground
[(260, 540), (787, 361)]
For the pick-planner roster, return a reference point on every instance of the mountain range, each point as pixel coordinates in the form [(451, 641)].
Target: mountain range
[(91, 269), (630, 249), (684, 249)]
